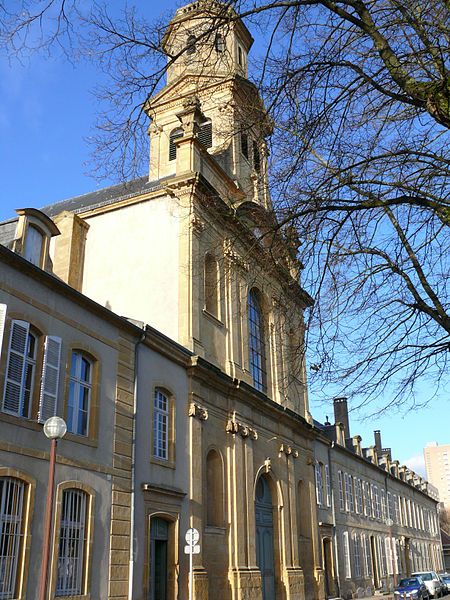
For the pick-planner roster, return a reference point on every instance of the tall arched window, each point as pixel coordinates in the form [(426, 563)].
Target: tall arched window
[(176, 133), (256, 342), (214, 489), (211, 285), (190, 45)]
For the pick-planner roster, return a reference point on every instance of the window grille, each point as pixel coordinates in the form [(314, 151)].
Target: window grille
[(11, 534), (80, 387), (161, 425), (72, 543), (176, 133), (205, 134), (256, 342)]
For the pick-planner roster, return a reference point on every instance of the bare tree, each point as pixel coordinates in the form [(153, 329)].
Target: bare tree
[(359, 95)]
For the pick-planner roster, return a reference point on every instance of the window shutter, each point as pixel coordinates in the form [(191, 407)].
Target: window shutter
[(16, 366), (2, 323), (50, 378), (205, 134)]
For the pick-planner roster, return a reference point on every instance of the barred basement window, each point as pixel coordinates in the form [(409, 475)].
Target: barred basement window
[(72, 544), (161, 425), (205, 134), (11, 533), (176, 133)]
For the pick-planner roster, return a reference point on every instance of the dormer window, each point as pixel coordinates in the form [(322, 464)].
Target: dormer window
[(219, 43), (190, 45), (33, 245), (32, 237)]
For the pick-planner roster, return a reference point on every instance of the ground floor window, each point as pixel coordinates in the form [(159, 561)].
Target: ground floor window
[(159, 537)]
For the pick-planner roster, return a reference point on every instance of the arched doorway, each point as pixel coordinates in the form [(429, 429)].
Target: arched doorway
[(159, 536), (264, 538)]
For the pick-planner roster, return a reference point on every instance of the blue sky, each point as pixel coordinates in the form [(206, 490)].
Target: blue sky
[(46, 112)]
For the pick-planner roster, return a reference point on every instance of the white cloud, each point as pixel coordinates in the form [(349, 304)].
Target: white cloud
[(417, 464)]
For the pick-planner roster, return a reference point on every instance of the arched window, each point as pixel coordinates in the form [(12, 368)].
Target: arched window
[(190, 45), (33, 245), (12, 492), (211, 285), (80, 389), (161, 425), (176, 133), (256, 342), (214, 489), (205, 134), (70, 567), (219, 43)]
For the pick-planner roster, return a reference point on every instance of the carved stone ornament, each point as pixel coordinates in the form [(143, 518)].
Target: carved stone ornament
[(197, 225), (195, 410), (234, 257), (267, 465), (243, 430), (289, 450)]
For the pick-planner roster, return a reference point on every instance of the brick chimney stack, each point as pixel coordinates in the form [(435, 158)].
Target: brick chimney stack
[(377, 436), (341, 414)]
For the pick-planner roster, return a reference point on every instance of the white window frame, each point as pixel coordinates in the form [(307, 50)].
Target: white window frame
[(346, 547), (341, 491), (161, 425), (319, 484), (77, 385), (356, 555)]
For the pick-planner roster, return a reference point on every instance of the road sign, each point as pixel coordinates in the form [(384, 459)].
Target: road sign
[(192, 549), (192, 536)]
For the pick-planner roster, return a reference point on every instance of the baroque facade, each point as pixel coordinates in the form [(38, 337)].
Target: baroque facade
[(201, 420)]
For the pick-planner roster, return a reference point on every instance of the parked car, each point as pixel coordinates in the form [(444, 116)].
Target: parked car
[(445, 582), (411, 588), (431, 580)]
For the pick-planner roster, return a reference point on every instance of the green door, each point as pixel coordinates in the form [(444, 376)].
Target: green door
[(159, 535), (264, 538)]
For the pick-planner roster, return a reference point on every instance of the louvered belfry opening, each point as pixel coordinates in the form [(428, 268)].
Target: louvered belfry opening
[(205, 134)]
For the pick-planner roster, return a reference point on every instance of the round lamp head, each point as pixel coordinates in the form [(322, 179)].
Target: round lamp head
[(55, 428), (389, 522)]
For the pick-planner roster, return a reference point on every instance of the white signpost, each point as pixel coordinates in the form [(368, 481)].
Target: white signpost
[(192, 547)]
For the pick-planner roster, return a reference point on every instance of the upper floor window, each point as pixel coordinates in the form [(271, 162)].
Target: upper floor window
[(21, 381), (219, 43), (244, 144), (161, 425), (190, 46), (12, 493), (319, 484), (256, 157), (80, 387), (70, 568), (205, 134), (176, 133), (256, 342), (33, 245), (211, 285), (240, 60)]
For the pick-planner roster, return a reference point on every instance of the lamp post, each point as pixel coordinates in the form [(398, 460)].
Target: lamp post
[(54, 428), (389, 523)]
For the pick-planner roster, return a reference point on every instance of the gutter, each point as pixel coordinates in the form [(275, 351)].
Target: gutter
[(133, 468)]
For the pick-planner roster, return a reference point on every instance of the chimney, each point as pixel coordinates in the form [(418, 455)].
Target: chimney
[(377, 436), (341, 414)]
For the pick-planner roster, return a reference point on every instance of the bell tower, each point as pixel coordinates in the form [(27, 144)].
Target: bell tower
[(207, 50)]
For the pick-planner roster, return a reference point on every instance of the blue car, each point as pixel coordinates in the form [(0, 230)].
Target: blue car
[(411, 588)]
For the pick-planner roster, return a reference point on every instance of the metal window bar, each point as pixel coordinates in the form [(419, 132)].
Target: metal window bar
[(11, 534), (256, 343), (72, 540)]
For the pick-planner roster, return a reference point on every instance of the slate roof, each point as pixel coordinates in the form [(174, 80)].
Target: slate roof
[(7, 232), (103, 197)]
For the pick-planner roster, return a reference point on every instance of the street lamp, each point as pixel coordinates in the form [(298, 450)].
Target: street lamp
[(389, 523), (54, 428)]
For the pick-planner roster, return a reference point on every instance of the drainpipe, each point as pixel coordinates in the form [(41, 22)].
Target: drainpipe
[(333, 513), (133, 468)]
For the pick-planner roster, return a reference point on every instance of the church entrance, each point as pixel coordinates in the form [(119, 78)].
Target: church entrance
[(159, 535), (264, 538)]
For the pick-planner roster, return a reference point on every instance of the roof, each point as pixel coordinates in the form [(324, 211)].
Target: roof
[(8, 231), (103, 197)]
